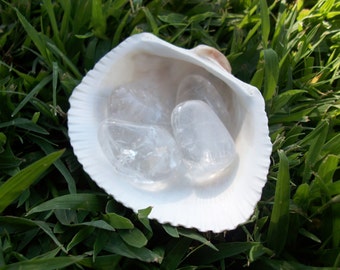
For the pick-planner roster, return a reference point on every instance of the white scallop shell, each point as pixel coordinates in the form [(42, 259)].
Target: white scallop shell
[(224, 200)]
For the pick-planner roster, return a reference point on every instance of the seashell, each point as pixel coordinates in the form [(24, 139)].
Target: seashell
[(206, 150)]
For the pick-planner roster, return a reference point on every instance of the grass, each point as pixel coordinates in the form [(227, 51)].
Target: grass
[(55, 217)]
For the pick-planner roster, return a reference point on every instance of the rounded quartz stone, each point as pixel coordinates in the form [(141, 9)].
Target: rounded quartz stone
[(197, 87), (205, 143), (136, 102), (145, 153)]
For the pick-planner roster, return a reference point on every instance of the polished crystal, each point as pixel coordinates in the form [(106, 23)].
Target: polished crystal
[(205, 143)]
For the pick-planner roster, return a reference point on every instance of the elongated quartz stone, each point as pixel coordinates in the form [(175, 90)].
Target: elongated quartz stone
[(205, 143), (197, 87)]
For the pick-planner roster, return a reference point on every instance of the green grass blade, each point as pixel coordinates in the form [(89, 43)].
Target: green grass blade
[(300, 115), (271, 73), (102, 262), (14, 186), (100, 224), (176, 253), (118, 222), (56, 51), (79, 237), (336, 225), (118, 33), (265, 22), (33, 92), (206, 255), (49, 8), (332, 146), (133, 237), (313, 153), (59, 164), (18, 224), (83, 201), (66, 19), (25, 124), (102, 237), (143, 217), (46, 228), (327, 168), (196, 236), (55, 69), (98, 20), (257, 251), (22, 75), (172, 231), (118, 246), (36, 37), (283, 99), (151, 20), (278, 226), (44, 264)]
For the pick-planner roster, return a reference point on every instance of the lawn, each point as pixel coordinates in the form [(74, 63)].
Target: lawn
[(53, 216)]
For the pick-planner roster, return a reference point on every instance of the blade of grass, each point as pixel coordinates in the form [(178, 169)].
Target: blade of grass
[(332, 146), (327, 168), (102, 262), (18, 224), (46, 264), (117, 246), (336, 224), (14, 186), (55, 69), (278, 226), (79, 237), (101, 224), (79, 201), (47, 4), (172, 231), (196, 236), (22, 75), (176, 254), (25, 124), (46, 228), (301, 115), (313, 153), (265, 22), (118, 222), (271, 73), (143, 217), (65, 22), (133, 237), (102, 237), (151, 20), (59, 164), (98, 20), (118, 33), (36, 37), (54, 49), (32, 93), (206, 255)]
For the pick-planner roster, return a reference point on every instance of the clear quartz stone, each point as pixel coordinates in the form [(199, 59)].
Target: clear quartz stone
[(197, 87), (137, 102), (146, 153), (205, 144)]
